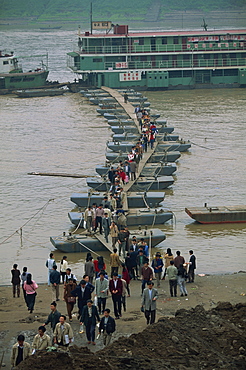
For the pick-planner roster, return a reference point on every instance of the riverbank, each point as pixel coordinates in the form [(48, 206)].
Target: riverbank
[(206, 291)]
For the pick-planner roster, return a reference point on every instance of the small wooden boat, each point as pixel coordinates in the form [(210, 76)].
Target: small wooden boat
[(34, 93), (80, 243), (134, 199), (217, 215)]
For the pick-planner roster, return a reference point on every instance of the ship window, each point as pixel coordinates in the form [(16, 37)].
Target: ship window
[(5, 62), (28, 79), (97, 60), (164, 40), (206, 56), (187, 73), (143, 58), (217, 72), (141, 41), (175, 74), (14, 79), (176, 40), (230, 72), (233, 55), (165, 57), (186, 56)]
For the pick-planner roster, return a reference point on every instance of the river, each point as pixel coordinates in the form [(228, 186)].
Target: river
[(64, 134)]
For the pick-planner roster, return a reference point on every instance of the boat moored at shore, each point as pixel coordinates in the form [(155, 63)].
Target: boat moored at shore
[(217, 215)]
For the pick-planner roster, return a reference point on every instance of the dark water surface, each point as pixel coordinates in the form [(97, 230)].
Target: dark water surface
[(64, 134)]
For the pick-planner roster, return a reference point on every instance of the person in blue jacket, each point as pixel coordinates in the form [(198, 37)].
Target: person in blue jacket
[(157, 265)]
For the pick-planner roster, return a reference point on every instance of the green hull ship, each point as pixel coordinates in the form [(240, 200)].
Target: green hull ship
[(13, 78), (160, 60)]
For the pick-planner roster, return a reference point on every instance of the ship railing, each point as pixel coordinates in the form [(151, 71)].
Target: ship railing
[(159, 48), (176, 64)]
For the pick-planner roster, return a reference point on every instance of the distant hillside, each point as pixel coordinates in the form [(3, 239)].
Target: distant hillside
[(114, 10)]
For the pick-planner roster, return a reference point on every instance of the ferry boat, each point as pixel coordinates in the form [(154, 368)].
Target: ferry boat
[(13, 78), (160, 60)]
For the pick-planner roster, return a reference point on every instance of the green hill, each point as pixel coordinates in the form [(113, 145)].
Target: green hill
[(116, 11)]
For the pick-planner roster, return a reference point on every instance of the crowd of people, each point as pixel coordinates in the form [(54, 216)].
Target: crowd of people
[(87, 299)]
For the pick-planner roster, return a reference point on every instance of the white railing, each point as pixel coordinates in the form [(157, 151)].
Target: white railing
[(165, 48)]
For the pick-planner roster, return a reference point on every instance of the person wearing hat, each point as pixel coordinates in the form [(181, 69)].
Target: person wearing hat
[(83, 292), (150, 295), (157, 265), (88, 318)]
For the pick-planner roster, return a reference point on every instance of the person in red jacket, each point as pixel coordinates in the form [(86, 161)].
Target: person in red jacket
[(122, 175), (126, 277), (116, 289)]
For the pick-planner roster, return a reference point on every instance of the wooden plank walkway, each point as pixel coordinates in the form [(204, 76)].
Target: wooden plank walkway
[(130, 111)]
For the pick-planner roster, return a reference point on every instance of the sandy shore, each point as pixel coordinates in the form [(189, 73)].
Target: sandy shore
[(206, 291)]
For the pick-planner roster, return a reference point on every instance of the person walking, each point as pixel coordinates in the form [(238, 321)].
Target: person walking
[(90, 269), (125, 97), (68, 298), (122, 238), (63, 267), (20, 351), (172, 273), (53, 317), (126, 277), (99, 265), (178, 260), (168, 256), (55, 279), (116, 289), (41, 340), (181, 277), (83, 292), (133, 169), (146, 274), (88, 217), (15, 280), (89, 317), (106, 222), (157, 265), (114, 262), (102, 286), (49, 264), (63, 333), (30, 287), (134, 267), (23, 279), (141, 260), (99, 213), (107, 327), (192, 267), (150, 295), (69, 275)]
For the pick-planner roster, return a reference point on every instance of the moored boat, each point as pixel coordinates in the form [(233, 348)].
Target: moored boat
[(142, 183), (134, 199), (34, 93), (135, 217), (12, 76), (80, 243), (156, 157), (217, 215)]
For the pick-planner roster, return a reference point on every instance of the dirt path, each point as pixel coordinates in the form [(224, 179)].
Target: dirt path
[(207, 291)]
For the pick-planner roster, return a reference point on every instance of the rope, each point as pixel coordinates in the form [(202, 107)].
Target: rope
[(78, 226), (21, 227), (90, 250), (201, 146)]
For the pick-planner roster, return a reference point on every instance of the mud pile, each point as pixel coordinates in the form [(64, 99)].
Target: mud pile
[(193, 339)]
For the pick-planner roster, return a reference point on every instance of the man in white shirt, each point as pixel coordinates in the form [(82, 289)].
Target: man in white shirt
[(50, 263)]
